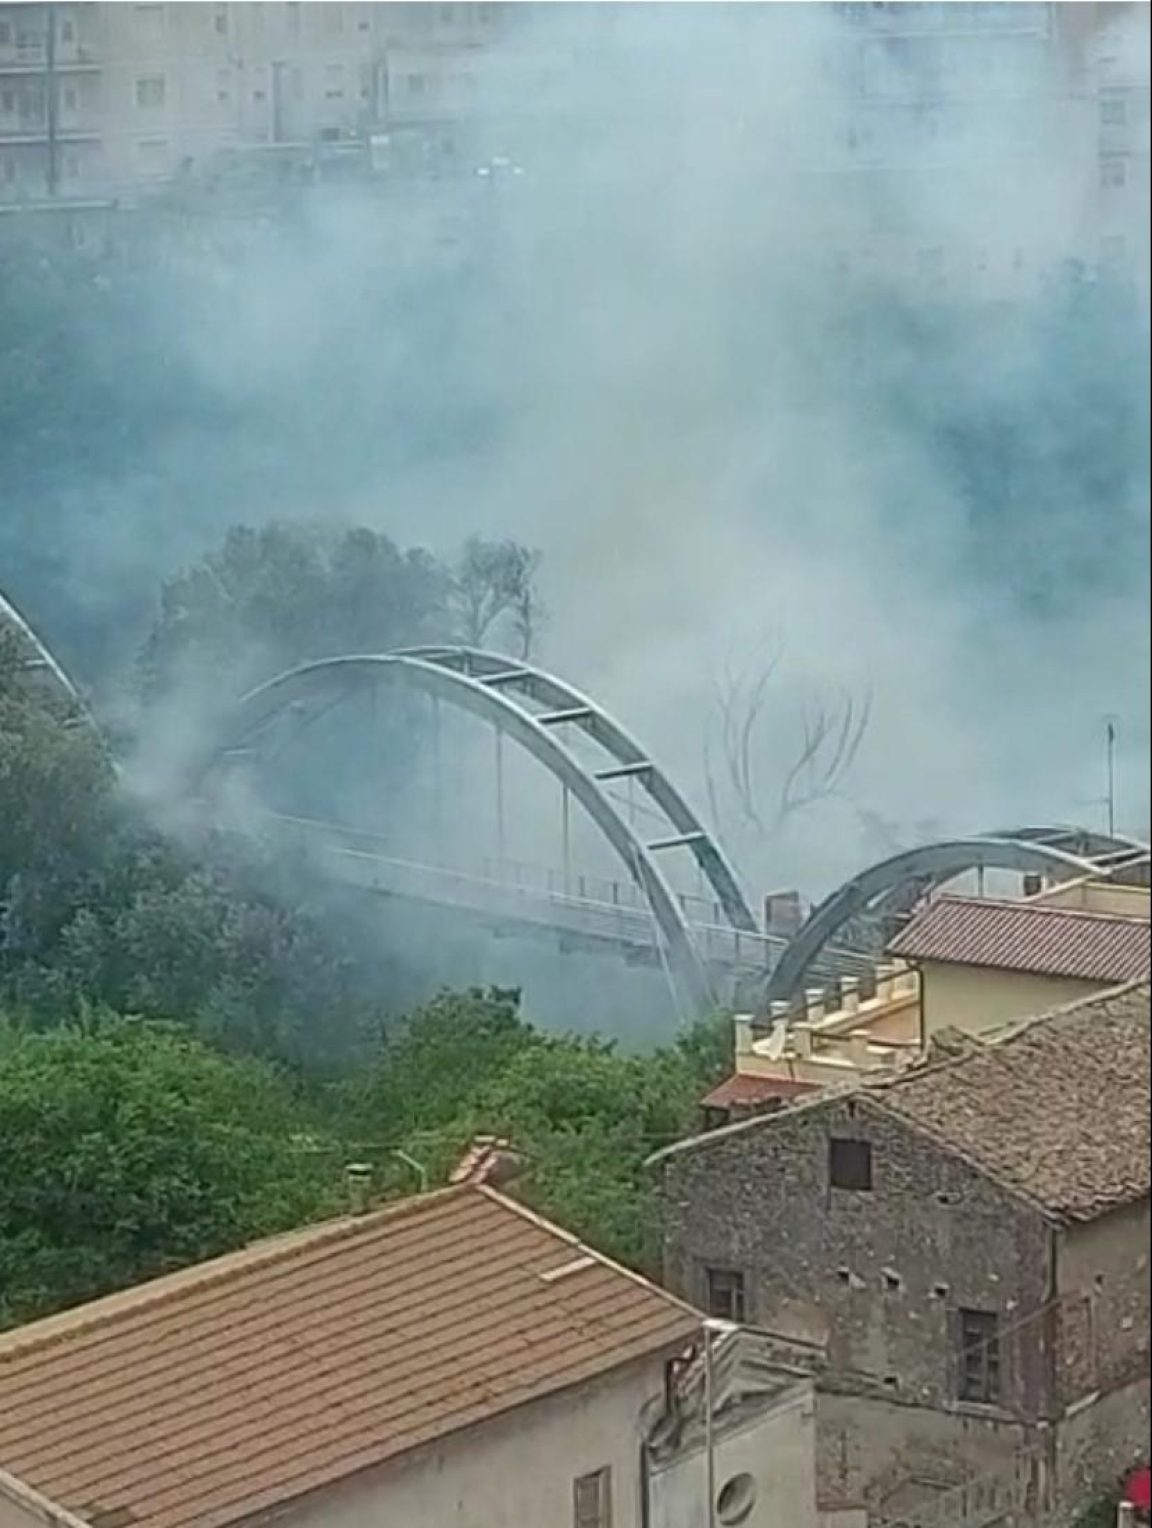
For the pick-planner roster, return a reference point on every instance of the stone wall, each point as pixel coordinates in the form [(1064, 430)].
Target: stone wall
[(878, 1274)]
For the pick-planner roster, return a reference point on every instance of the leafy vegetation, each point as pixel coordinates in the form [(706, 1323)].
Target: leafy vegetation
[(189, 1058), (130, 1149)]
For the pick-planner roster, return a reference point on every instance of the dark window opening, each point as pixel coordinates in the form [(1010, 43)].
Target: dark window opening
[(850, 1164), (979, 1356), (592, 1500), (724, 1293)]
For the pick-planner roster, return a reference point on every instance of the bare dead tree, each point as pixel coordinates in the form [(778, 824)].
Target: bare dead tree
[(746, 760), (832, 732)]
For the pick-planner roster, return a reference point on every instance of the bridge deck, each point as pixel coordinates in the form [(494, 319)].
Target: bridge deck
[(588, 910)]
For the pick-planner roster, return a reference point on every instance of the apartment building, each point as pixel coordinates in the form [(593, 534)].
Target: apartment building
[(1010, 129), (97, 99)]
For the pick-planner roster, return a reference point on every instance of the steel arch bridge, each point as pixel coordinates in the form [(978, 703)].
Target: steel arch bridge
[(887, 891), (533, 709)]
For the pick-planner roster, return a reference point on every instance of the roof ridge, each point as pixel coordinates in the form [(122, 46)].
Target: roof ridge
[(875, 1085), (629, 1273), (121, 1304), (1027, 905), (993, 1042)]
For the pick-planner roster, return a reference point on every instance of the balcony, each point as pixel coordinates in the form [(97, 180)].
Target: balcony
[(16, 59), (13, 134)]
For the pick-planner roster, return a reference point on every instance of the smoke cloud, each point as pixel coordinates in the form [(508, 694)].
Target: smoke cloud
[(747, 403)]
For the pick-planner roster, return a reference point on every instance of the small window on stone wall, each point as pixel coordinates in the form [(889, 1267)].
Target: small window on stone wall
[(979, 1334), (724, 1293), (850, 1164)]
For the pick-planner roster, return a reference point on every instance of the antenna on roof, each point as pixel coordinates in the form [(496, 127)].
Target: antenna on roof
[(1110, 770)]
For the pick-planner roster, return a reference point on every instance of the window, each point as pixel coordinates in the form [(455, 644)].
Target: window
[(223, 86), (7, 100), (592, 1500), (67, 32), (5, 39), (979, 1356), (334, 82), (736, 1499), (220, 21), (724, 1293), (850, 1164), (1113, 111), (1113, 171), (150, 91), (69, 99)]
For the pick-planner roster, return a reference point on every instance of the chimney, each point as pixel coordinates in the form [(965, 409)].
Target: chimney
[(1033, 884), (358, 1185), (778, 1011), (782, 912), (802, 1040), (850, 994), (742, 1034), (814, 1004)]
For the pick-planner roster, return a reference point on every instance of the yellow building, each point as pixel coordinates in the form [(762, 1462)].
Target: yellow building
[(966, 963), (982, 962)]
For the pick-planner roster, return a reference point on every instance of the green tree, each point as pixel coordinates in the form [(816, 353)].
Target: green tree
[(267, 599), (429, 1065), (584, 1117), (130, 1149), (55, 776)]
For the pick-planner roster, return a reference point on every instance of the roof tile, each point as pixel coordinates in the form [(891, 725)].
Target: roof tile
[(1028, 936), (1056, 1106), (231, 1387)]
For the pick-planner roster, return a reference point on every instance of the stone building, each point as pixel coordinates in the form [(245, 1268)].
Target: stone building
[(968, 1240)]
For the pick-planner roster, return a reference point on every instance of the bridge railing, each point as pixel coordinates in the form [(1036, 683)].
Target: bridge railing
[(547, 881)]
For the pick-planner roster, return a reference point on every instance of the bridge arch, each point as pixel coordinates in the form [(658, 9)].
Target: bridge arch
[(39, 661), (528, 705), (895, 885)]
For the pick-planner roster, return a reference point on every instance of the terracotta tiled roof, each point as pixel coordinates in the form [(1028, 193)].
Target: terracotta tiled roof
[(1056, 1107), (229, 1388), (1028, 936), (744, 1088)]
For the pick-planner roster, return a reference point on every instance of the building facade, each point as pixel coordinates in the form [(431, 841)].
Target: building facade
[(97, 100), (973, 1264)]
